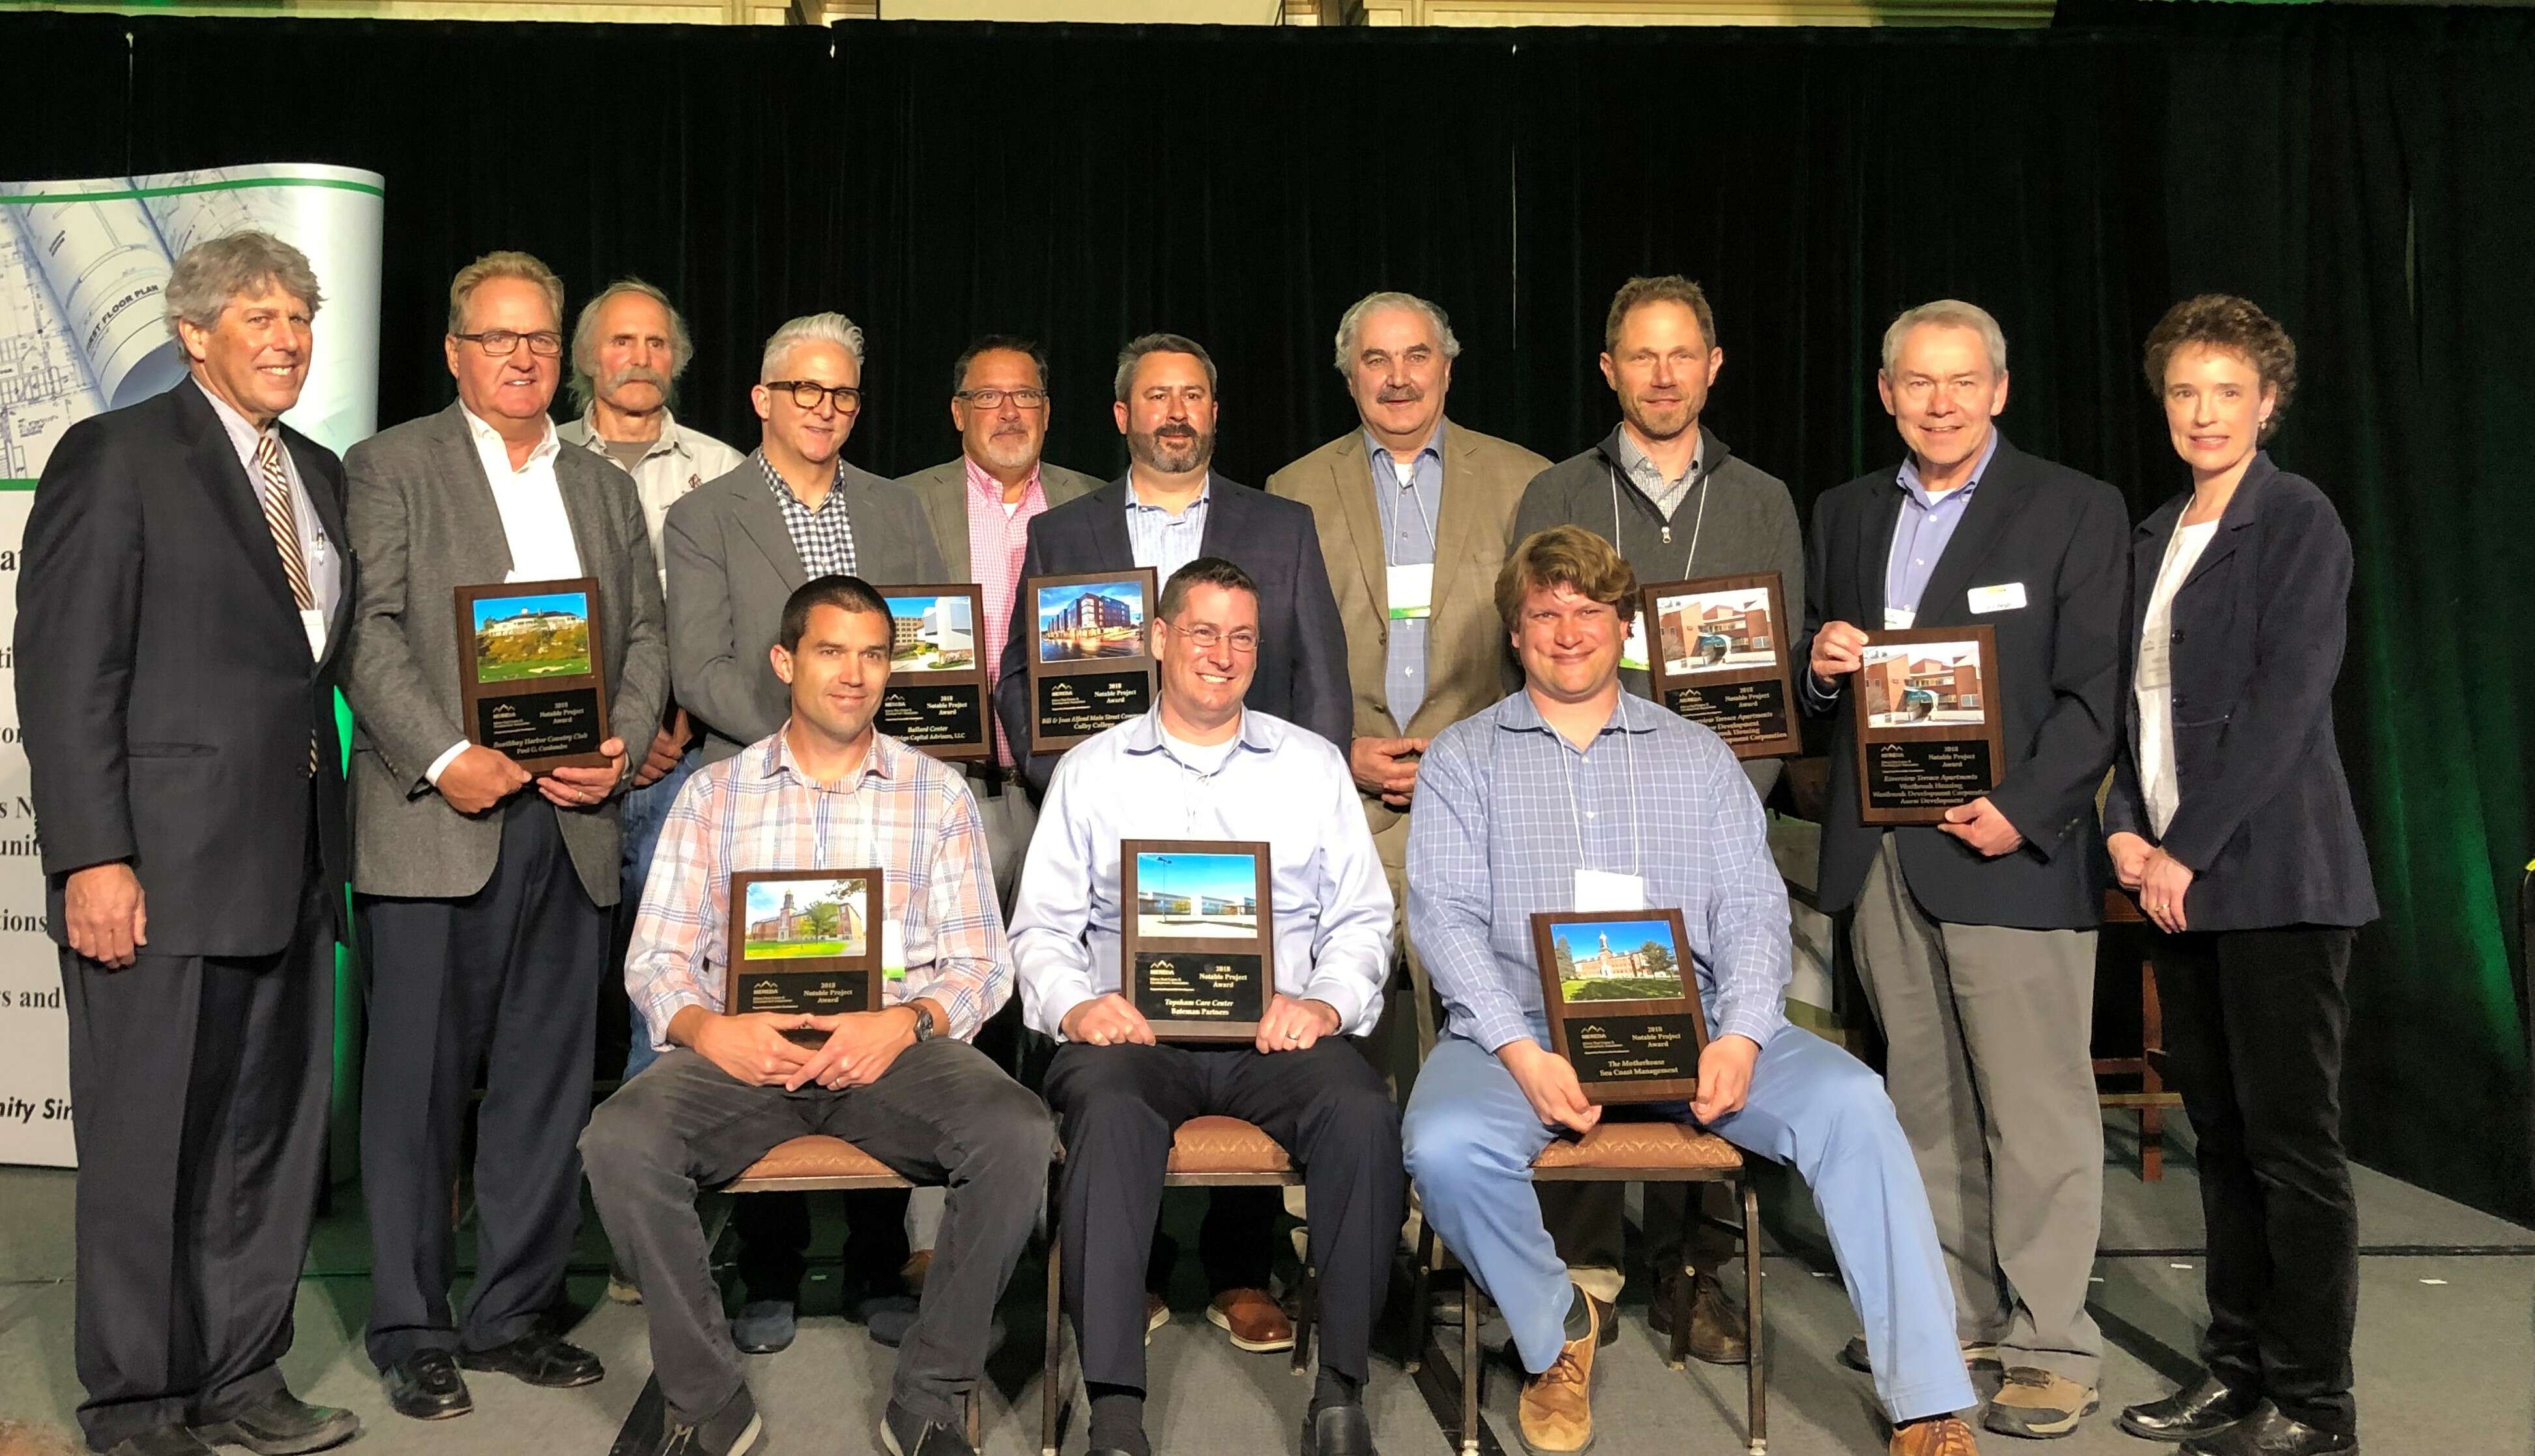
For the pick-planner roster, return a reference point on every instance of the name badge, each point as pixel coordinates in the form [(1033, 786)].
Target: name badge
[(313, 622), (1412, 592), (2156, 662), (1600, 890), (1898, 619), (1632, 652), (2007, 597)]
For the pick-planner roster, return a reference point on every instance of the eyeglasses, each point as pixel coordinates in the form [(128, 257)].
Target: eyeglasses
[(500, 343), (808, 393), (1205, 639), (994, 399)]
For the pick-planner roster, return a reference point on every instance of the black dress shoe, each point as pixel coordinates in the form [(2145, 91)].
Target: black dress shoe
[(539, 1360), (2265, 1431), (2206, 1407), (1338, 1431), (161, 1440), (426, 1386), (283, 1425)]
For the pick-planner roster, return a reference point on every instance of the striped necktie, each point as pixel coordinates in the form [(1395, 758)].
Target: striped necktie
[(285, 526)]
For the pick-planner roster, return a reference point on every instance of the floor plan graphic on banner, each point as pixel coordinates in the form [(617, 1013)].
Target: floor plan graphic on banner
[(84, 273)]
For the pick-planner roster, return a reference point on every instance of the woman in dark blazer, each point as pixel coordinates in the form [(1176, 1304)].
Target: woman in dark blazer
[(2231, 819)]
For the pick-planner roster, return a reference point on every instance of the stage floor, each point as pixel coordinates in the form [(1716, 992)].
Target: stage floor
[(2446, 1352)]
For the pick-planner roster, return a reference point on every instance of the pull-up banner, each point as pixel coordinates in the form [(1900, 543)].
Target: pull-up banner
[(84, 269)]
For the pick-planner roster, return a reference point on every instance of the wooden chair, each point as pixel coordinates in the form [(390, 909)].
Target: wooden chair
[(2151, 1099), (1613, 1152), (1206, 1153)]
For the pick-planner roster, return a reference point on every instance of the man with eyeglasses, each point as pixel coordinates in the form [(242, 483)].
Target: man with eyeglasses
[(1201, 765), (981, 504), (737, 548), (484, 889)]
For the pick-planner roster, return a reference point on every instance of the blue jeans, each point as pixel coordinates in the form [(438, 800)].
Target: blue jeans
[(1470, 1136), (646, 809)]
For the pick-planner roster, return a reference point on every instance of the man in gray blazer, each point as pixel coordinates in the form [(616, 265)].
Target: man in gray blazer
[(980, 505), (739, 545), (483, 890)]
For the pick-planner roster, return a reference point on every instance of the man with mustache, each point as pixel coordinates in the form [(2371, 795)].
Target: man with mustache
[(1413, 511), (737, 547), (628, 349), (1166, 511), (1678, 503)]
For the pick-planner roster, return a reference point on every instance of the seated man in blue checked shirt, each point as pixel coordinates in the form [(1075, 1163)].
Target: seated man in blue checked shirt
[(1199, 765), (1571, 795), (901, 1083)]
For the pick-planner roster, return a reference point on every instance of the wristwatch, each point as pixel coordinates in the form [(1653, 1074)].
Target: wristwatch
[(923, 1024)]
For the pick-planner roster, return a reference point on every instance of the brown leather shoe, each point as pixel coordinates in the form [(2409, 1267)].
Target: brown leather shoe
[(1715, 1321), (1557, 1409), (911, 1273), (1946, 1435), (1251, 1318), (1157, 1313)]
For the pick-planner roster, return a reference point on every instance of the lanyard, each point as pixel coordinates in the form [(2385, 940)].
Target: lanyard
[(1576, 815), (1407, 483)]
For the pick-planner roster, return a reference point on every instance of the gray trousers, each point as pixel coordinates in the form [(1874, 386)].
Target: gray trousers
[(1985, 1030), (941, 1113)]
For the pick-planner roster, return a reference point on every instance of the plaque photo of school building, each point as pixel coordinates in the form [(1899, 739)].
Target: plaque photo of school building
[(1910, 685), (1715, 631), (931, 634), (1197, 896), (813, 916), (1618, 960)]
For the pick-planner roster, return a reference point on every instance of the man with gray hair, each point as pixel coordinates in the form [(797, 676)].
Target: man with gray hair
[(1412, 512), (1976, 938), (181, 619), (737, 547)]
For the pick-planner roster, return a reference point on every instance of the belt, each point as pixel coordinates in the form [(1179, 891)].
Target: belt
[(988, 779)]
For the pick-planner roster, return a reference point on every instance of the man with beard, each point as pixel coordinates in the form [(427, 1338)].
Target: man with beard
[(981, 504), (628, 350), (1413, 512), (1678, 504), (737, 548), (1168, 510)]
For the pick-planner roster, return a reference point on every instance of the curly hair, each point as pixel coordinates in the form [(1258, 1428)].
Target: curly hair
[(2238, 326), (1567, 556)]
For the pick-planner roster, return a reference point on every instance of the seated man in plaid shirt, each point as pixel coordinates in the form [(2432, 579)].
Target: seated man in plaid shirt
[(901, 1082), (1571, 795)]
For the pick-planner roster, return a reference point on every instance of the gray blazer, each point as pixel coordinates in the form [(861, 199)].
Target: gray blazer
[(423, 523), (943, 492), (731, 568)]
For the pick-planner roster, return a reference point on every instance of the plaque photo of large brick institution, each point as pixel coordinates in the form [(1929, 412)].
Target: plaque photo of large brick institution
[(1702, 632), (1914, 684)]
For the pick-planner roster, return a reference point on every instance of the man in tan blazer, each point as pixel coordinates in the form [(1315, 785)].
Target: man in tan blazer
[(980, 503), (1414, 512)]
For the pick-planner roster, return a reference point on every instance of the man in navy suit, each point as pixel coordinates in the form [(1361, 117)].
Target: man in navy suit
[(1976, 938), (180, 630), (1169, 509)]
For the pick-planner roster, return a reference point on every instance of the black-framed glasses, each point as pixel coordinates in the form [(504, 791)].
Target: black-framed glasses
[(1204, 637), (808, 393), (498, 343), (994, 399)]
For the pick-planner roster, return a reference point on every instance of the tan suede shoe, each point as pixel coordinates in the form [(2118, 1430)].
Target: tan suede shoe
[(1557, 1406), (1251, 1318), (1948, 1437)]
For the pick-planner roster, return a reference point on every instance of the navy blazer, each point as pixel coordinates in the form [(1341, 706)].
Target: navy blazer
[(2263, 812), (2057, 533), (1302, 648)]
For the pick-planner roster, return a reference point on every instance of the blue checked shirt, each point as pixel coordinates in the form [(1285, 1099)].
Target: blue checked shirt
[(824, 538), (1161, 540), (1409, 512), (1497, 836), (904, 812)]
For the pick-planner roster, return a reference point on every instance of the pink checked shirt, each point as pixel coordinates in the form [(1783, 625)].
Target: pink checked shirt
[(999, 540), (903, 811)]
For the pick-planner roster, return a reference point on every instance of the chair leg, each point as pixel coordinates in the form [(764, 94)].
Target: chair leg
[(1421, 1305), (1677, 1355), (1474, 1374), (976, 1413), (1755, 1382), (1306, 1313), (2152, 1043), (1048, 1401)]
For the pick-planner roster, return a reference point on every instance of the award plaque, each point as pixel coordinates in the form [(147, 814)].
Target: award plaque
[(531, 681), (1719, 658), (1090, 664), (804, 943), (1195, 952), (938, 683), (1928, 731), (1623, 1003)]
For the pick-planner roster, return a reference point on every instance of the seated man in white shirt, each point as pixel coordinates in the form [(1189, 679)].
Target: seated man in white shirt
[(1199, 765)]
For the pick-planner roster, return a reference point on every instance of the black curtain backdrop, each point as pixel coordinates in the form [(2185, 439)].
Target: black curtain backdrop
[(2367, 174)]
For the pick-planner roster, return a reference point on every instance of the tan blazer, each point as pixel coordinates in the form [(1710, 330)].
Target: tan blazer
[(1468, 663), (943, 491)]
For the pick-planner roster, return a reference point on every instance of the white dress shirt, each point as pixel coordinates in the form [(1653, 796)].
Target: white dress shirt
[(2153, 681), (1275, 782)]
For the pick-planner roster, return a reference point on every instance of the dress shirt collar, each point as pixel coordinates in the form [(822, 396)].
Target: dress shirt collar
[(986, 487), (1520, 714), (1380, 453), (774, 759), (243, 435), (1642, 467), (487, 438), (1255, 734), (672, 439), (1908, 478), (774, 479), (1204, 493)]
